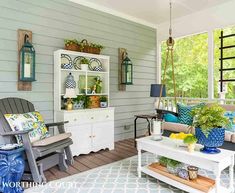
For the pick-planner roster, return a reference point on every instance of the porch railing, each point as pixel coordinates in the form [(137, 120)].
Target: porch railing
[(168, 103)]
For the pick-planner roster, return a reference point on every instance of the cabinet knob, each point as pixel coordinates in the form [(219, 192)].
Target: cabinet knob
[(93, 136), (90, 136), (75, 119), (107, 116), (92, 117)]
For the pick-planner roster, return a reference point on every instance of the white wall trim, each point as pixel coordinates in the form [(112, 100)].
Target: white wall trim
[(115, 13)]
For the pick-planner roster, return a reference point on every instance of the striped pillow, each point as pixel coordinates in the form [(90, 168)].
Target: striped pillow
[(184, 111)]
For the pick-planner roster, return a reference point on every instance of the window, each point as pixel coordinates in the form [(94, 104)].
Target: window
[(190, 65), (230, 93)]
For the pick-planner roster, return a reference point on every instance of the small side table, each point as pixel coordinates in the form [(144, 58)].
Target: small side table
[(12, 168), (148, 118)]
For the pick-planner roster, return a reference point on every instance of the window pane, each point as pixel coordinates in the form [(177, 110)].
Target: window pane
[(190, 66), (230, 91)]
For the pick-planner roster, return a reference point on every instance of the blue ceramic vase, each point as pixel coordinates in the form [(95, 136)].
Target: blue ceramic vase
[(215, 139), (12, 168)]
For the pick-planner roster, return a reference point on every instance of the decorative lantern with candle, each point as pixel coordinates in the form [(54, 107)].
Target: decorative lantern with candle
[(156, 129), (27, 61), (127, 70)]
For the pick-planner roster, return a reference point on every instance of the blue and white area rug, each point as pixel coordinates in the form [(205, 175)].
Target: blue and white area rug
[(117, 177)]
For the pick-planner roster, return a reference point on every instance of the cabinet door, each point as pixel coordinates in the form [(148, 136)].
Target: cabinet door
[(82, 138), (103, 135)]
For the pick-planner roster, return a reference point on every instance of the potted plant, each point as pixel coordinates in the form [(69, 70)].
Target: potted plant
[(209, 123), (163, 161), (79, 102), (72, 44), (95, 48), (103, 102), (87, 102), (173, 166), (190, 140), (84, 64)]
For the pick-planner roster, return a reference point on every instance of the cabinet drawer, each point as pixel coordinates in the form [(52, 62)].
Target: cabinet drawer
[(104, 116), (76, 118), (89, 117)]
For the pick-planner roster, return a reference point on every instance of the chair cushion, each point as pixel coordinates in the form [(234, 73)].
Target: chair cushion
[(184, 112), (51, 140), (175, 127), (233, 138), (26, 121), (228, 136)]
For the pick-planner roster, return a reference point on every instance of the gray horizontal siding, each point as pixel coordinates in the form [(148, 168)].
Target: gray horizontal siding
[(54, 20)]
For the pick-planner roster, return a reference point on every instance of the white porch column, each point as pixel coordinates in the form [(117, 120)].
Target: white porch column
[(159, 63), (210, 65)]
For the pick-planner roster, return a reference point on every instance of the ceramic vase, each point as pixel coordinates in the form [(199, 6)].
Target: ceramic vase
[(214, 139), (103, 104), (84, 67), (70, 82)]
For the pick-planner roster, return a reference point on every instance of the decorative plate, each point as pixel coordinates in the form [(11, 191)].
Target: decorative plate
[(76, 62), (66, 62), (95, 64)]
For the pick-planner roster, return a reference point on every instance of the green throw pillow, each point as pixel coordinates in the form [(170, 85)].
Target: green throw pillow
[(184, 112)]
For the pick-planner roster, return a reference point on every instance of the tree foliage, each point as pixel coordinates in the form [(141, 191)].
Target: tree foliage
[(191, 65)]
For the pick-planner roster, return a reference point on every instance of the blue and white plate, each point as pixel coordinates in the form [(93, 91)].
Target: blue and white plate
[(95, 65), (66, 62)]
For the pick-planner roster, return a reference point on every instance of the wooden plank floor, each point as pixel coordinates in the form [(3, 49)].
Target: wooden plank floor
[(123, 149)]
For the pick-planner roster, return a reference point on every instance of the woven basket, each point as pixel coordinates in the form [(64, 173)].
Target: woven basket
[(88, 49), (94, 50), (86, 46), (73, 47)]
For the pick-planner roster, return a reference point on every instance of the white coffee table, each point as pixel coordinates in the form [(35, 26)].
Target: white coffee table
[(212, 162)]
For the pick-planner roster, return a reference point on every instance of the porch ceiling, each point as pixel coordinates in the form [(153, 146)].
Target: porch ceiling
[(150, 12)]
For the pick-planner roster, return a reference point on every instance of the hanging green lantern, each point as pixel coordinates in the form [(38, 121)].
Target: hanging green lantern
[(27, 61), (127, 70)]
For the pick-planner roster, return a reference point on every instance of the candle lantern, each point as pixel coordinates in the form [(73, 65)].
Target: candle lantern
[(156, 129), (126, 70), (27, 61)]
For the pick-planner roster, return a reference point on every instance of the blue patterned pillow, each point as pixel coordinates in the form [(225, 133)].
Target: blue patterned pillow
[(184, 112), (231, 116)]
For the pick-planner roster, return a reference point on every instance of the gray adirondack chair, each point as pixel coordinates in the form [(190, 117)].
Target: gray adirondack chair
[(40, 155)]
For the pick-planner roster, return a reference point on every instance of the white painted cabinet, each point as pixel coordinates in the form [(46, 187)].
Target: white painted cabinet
[(92, 129)]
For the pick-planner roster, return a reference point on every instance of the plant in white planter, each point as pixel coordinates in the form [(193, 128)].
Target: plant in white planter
[(103, 102), (190, 140), (84, 64), (209, 123)]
